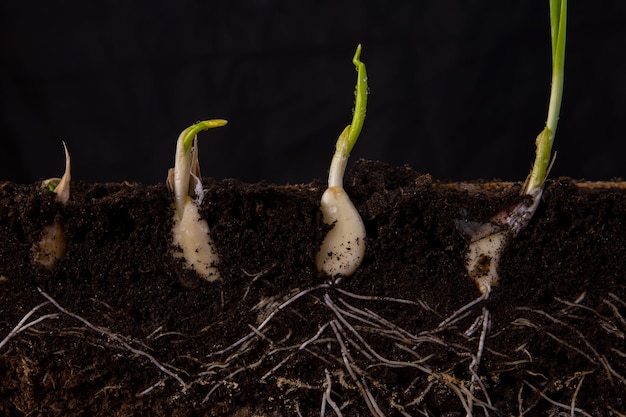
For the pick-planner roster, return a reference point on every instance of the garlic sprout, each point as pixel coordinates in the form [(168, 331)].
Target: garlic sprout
[(488, 240), (191, 234), (343, 247), (53, 244)]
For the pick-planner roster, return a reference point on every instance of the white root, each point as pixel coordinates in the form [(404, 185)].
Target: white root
[(20, 327), (192, 237), (121, 340), (565, 407), (343, 247), (343, 346), (326, 398)]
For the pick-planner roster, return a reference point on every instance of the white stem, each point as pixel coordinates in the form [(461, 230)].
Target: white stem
[(63, 188), (340, 160), (182, 172)]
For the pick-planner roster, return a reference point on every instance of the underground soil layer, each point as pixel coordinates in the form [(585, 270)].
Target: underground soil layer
[(119, 327)]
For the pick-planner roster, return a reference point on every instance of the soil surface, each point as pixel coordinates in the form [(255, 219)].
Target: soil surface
[(118, 327)]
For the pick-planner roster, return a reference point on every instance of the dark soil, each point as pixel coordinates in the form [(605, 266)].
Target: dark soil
[(125, 330)]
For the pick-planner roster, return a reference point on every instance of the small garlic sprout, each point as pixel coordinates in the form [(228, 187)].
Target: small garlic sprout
[(53, 244), (343, 247), (488, 240), (191, 235)]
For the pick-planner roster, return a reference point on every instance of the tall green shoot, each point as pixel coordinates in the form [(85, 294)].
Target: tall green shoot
[(487, 240), (558, 26)]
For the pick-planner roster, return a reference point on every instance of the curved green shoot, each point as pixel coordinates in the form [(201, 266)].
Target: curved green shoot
[(191, 132), (185, 160), (558, 27), (350, 135), (360, 103)]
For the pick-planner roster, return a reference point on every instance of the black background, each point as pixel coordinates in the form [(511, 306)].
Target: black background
[(459, 89)]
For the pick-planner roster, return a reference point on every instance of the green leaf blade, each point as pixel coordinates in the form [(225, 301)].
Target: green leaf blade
[(360, 104), (193, 130)]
